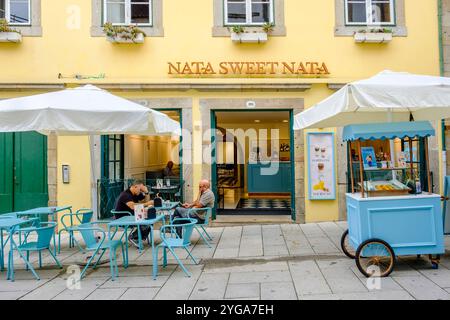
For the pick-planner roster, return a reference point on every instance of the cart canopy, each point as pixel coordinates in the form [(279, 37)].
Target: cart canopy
[(388, 130)]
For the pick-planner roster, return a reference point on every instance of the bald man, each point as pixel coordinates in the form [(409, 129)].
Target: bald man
[(205, 199)]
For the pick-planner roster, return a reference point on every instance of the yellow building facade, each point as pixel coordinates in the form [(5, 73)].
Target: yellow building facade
[(190, 62)]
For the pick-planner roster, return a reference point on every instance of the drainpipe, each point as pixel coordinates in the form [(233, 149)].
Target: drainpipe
[(442, 73)]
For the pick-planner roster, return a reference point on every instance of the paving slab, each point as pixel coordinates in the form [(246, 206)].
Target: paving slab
[(86, 288), (278, 291), (263, 276), (386, 295), (107, 294), (139, 294), (178, 286), (308, 278), (239, 290), (250, 267), (441, 276), (135, 282), (210, 286), (12, 295), (422, 288), (47, 291)]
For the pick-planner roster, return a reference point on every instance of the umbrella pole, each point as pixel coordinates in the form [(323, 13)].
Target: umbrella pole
[(93, 178), (391, 146)]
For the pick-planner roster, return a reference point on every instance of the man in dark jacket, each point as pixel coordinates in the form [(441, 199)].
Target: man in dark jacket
[(137, 193)]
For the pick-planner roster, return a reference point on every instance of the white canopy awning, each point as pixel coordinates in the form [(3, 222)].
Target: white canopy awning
[(388, 96), (86, 110)]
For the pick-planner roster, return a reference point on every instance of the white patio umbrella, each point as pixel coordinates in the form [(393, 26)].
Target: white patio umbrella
[(388, 96), (85, 110)]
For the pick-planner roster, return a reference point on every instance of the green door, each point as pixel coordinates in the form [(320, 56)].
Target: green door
[(6, 172), (23, 171)]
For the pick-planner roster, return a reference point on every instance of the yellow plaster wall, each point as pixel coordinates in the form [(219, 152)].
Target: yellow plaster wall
[(188, 37)]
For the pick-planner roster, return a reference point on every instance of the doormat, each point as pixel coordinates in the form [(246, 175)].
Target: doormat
[(265, 204), (253, 212)]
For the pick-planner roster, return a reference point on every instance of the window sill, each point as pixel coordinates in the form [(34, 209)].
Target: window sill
[(149, 31), (278, 31), (29, 31), (10, 37), (349, 31)]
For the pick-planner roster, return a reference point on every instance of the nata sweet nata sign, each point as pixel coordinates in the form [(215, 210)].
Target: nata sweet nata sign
[(199, 68)]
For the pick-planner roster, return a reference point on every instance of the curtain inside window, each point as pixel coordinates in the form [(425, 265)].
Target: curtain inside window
[(236, 11), (381, 11), (115, 11), (260, 11), (357, 11)]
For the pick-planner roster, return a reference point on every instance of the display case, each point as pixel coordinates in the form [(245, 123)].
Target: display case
[(388, 159)]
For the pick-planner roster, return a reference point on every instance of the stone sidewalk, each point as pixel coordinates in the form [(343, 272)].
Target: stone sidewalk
[(287, 261)]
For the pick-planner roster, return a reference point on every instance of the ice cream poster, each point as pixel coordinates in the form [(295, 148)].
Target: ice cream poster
[(322, 184)]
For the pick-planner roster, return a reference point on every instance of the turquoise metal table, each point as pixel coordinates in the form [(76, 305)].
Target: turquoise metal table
[(167, 209), (126, 222), (49, 212), (10, 225)]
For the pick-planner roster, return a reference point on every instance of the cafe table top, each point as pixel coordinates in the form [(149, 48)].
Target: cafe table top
[(44, 210), (131, 221), (9, 223)]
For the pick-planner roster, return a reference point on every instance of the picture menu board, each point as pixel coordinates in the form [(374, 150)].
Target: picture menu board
[(321, 173)]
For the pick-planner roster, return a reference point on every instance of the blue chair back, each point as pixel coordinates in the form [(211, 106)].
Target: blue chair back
[(45, 234), (86, 215), (207, 215), (87, 231), (187, 230)]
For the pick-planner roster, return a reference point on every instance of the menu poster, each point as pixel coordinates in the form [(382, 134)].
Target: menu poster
[(368, 156), (139, 212), (322, 184)]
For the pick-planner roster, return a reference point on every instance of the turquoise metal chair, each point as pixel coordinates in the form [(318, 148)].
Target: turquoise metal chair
[(24, 230), (200, 227), (44, 236), (89, 233), (81, 216), (172, 241)]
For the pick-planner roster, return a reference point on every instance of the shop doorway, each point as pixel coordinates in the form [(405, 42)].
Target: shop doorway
[(252, 171), (130, 157), (23, 171)]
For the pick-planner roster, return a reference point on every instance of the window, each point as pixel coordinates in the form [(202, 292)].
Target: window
[(126, 12), (248, 12), (17, 12), (113, 157), (369, 12)]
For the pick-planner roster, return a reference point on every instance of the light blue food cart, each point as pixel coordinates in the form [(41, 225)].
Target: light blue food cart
[(388, 212)]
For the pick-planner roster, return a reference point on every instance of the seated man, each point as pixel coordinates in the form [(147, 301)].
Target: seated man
[(136, 193), (205, 198), (167, 172)]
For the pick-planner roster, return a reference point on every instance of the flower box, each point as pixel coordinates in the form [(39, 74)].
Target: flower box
[(373, 37), (249, 37), (119, 39), (10, 37)]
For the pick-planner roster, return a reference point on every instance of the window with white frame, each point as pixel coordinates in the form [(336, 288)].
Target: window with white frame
[(127, 12), (370, 12), (16, 12), (248, 12)]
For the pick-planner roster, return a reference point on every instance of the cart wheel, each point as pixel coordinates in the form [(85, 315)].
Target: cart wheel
[(346, 247), (435, 261), (375, 257)]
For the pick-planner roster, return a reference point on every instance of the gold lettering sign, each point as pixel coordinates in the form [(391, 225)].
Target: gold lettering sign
[(198, 68)]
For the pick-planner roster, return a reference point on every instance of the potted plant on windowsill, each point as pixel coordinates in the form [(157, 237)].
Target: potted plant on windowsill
[(123, 34), (7, 34), (238, 34), (373, 36)]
